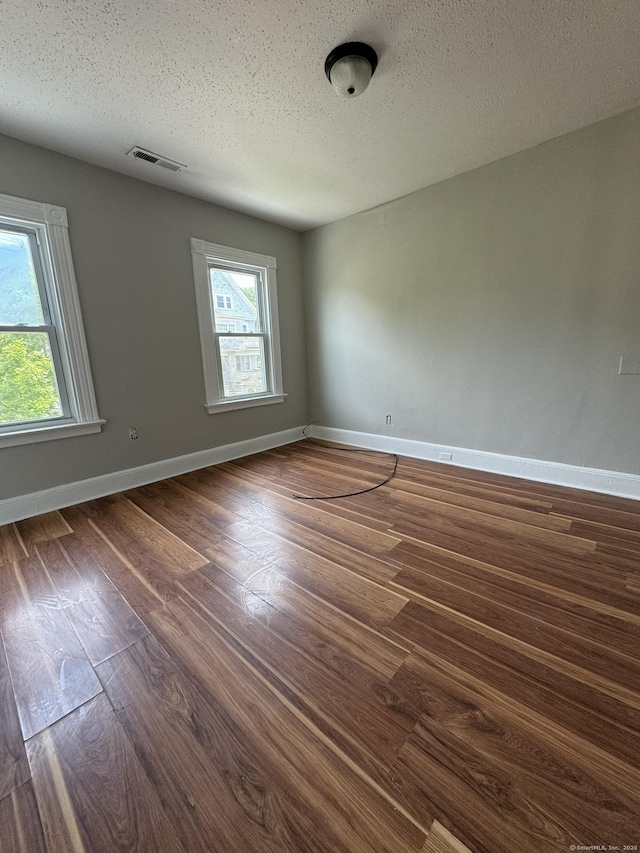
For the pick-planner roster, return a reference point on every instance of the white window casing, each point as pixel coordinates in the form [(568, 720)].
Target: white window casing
[(72, 369), (205, 257)]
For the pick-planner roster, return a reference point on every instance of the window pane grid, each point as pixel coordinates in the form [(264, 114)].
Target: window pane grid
[(240, 334), (24, 327)]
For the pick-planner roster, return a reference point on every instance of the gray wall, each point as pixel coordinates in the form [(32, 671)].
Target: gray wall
[(130, 244), (490, 311)]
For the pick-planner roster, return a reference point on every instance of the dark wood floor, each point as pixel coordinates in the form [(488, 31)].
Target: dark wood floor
[(207, 664)]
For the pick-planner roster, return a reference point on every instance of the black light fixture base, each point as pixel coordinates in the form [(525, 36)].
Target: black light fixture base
[(351, 48)]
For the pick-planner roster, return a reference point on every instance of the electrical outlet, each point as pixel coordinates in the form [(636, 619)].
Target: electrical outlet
[(446, 457), (133, 433), (387, 420)]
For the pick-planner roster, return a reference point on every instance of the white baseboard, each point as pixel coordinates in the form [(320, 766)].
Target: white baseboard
[(557, 473), (574, 476), (36, 503)]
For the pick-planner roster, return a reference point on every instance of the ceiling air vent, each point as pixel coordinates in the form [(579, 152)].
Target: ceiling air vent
[(155, 159)]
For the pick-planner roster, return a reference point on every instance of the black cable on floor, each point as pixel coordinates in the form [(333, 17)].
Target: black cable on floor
[(345, 450)]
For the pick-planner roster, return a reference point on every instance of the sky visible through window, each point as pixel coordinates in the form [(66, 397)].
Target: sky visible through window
[(19, 297)]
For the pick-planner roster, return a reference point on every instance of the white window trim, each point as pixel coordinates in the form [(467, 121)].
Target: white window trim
[(56, 255), (201, 252)]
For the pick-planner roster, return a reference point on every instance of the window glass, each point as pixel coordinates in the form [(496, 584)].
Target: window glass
[(28, 387), (239, 303), (19, 296), (242, 359)]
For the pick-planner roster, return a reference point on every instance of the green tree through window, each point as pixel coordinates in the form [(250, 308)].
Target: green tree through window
[(28, 388)]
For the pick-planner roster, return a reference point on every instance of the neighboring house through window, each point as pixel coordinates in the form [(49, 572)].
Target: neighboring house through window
[(45, 381), (238, 316)]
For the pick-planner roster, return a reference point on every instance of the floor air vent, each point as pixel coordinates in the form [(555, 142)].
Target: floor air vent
[(155, 159)]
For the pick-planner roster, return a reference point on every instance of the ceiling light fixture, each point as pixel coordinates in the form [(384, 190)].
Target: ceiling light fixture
[(349, 67)]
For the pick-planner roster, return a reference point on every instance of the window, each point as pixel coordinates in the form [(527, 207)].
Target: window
[(247, 362), (223, 301), (45, 383), (241, 368)]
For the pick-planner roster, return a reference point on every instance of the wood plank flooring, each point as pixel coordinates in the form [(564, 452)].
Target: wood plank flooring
[(448, 664)]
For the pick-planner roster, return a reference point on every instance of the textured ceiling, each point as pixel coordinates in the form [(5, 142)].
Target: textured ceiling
[(235, 89)]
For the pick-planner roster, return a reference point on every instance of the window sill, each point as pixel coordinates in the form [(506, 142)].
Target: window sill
[(48, 433), (246, 403)]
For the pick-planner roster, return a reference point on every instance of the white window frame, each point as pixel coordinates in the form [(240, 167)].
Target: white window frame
[(72, 368), (205, 254), (227, 302)]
